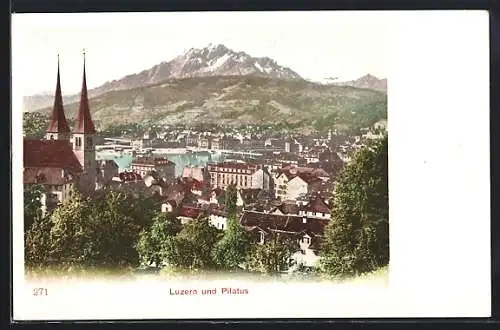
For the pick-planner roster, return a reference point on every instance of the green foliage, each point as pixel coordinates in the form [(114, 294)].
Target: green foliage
[(273, 256), (34, 125), (357, 237), (69, 235), (351, 117), (37, 243), (113, 231), (192, 247), (232, 250), (100, 232), (230, 200), (152, 242), (32, 204), (126, 130)]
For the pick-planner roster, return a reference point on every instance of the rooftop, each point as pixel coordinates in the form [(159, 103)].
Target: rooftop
[(50, 153)]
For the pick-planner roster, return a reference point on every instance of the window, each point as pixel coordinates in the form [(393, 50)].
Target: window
[(78, 142), (306, 240), (51, 136), (222, 226)]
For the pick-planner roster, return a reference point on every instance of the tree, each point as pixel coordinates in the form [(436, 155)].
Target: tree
[(69, 235), (192, 247), (152, 242), (32, 204), (230, 200), (356, 239), (274, 255), (37, 246), (113, 232), (97, 232), (34, 125), (233, 249)]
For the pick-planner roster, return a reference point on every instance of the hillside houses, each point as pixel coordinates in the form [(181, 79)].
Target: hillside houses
[(307, 231), (291, 182)]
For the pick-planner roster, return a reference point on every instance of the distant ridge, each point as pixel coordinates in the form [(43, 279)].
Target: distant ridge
[(213, 60)]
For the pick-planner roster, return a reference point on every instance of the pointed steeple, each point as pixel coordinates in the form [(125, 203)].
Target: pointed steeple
[(84, 124), (58, 122)]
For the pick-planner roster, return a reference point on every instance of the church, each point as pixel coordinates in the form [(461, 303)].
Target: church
[(65, 158)]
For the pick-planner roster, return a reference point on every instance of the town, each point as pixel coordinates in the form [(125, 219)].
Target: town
[(285, 183)]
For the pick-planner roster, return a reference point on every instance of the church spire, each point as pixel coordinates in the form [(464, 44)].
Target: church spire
[(58, 123), (84, 122)]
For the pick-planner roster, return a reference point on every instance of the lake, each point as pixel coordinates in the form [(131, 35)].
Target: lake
[(181, 160)]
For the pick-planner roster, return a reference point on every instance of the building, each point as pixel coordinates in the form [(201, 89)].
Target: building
[(218, 218), (192, 140), (280, 184), (217, 144), (307, 231), (291, 182), (163, 168), (293, 146), (301, 185), (52, 164), (205, 142), (196, 172), (243, 175), (64, 159), (222, 143), (83, 139)]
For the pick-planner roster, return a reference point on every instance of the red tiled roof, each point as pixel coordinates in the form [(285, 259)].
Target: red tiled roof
[(309, 178), (58, 122), (84, 122), (288, 208), (50, 153), (129, 176), (46, 175), (191, 212), (287, 223), (317, 205)]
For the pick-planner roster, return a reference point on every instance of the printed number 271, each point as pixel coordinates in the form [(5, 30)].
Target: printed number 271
[(40, 291)]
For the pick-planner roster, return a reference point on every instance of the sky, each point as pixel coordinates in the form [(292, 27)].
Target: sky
[(316, 45)]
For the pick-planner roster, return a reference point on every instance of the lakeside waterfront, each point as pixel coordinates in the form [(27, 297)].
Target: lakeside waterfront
[(179, 156)]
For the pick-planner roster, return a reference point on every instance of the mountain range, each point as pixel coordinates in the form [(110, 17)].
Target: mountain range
[(213, 60), (367, 81), (217, 84)]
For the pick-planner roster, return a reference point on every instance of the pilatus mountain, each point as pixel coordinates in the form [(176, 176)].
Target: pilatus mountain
[(213, 60), (218, 85)]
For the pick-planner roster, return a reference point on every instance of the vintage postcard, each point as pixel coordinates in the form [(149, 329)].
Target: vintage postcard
[(219, 165)]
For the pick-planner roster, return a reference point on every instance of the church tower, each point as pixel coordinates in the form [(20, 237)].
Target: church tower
[(58, 128), (84, 139)]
